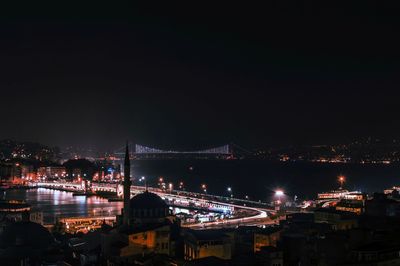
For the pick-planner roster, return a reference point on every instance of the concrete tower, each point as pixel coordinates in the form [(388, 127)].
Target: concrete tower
[(127, 186)]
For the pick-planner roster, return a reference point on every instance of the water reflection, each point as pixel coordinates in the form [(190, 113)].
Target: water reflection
[(60, 204), (54, 203)]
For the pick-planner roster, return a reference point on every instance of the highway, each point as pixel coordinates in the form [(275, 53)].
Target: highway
[(185, 199)]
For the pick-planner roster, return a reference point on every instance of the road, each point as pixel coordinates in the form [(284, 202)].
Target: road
[(257, 216)]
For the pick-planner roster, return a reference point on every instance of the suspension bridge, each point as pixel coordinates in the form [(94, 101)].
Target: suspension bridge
[(224, 152)]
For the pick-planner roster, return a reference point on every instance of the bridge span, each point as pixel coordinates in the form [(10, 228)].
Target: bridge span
[(255, 212), (142, 152)]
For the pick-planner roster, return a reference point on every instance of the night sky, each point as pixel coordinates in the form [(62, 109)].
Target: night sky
[(184, 76)]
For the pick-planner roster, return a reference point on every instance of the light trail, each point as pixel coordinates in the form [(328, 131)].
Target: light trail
[(257, 216)]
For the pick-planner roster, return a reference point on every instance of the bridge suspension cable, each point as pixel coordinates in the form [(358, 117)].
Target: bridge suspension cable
[(140, 149)]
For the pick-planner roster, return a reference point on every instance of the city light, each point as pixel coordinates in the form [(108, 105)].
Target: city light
[(342, 180), (279, 193), (229, 189)]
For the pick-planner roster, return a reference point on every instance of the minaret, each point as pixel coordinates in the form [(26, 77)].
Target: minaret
[(127, 186)]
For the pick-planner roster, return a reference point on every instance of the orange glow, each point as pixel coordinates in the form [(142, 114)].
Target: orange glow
[(342, 179)]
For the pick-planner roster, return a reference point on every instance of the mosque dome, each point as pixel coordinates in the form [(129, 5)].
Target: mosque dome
[(148, 205)]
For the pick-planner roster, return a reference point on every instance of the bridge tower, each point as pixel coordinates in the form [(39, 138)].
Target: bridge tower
[(127, 186)]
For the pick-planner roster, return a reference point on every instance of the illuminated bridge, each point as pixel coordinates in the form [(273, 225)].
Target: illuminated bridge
[(144, 152), (243, 213)]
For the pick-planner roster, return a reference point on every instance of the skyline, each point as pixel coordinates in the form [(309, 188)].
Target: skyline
[(203, 77)]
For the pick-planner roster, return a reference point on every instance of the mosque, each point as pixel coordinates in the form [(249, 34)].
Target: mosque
[(146, 226)]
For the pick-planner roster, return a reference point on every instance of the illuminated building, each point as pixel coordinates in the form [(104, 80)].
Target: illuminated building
[(352, 202), (150, 228), (146, 226), (27, 172), (6, 171), (79, 168), (333, 195), (16, 173), (52, 172)]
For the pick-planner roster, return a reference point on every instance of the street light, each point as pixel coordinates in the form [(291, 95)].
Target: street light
[(279, 193), (143, 179), (170, 186), (342, 180), (161, 183), (204, 188), (230, 191)]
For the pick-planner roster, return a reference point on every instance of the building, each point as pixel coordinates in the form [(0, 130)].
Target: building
[(267, 237), (381, 205), (146, 227), (337, 219), (52, 172), (11, 173), (208, 243), (352, 202), (333, 195), (12, 211), (28, 172), (79, 169), (270, 256), (28, 243), (151, 230), (6, 170), (378, 253)]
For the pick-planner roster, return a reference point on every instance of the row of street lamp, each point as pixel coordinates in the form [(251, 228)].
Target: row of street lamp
[(279, 193), (162, 185)]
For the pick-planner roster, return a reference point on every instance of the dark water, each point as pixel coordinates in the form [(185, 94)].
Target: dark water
[(258, 179)]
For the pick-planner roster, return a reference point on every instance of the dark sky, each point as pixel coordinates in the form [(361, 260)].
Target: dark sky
[(185, 76)]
